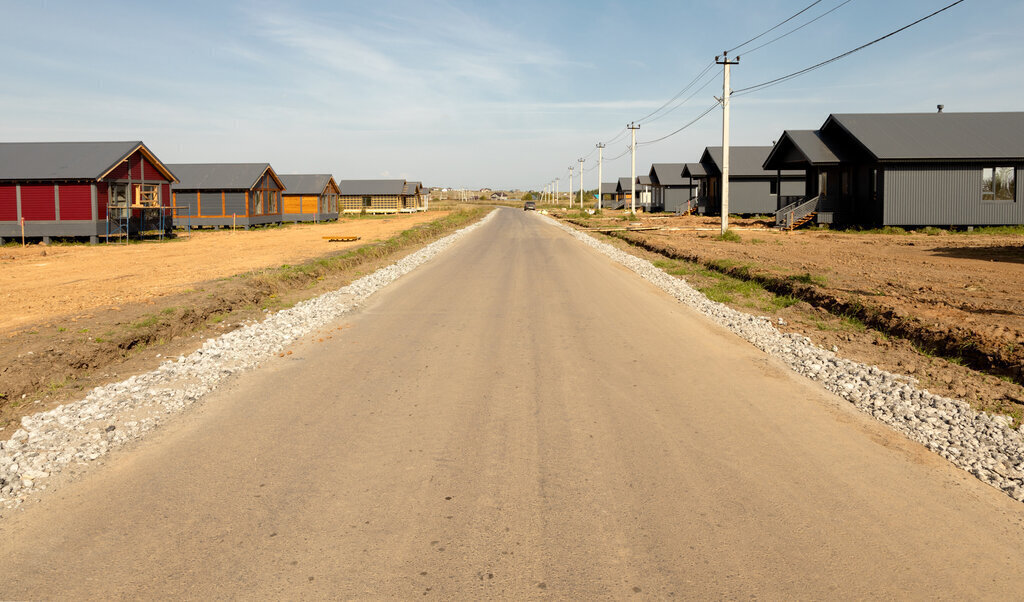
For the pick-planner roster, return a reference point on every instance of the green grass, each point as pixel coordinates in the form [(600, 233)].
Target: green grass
[(145, 322), (808, 278), (729, 236), (1014, 230)]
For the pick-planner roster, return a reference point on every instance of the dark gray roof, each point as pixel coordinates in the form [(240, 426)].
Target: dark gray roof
[(744, 161), (624, 184), (302, 183), (931, 136), (805, 147), (218, 176), (668, 174), (65, 160), (411, 187), (371, 187), (608, 187), (694, 170), (643, 181)]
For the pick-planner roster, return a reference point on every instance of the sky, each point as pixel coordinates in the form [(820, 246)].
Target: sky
[(501, 94)]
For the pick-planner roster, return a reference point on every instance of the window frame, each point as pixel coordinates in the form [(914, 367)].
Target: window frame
[(990, 196)]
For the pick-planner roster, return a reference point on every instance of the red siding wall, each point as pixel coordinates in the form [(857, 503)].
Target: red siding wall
[(37, 202), (165, 195), (8, 203), (119, 173), (135, 161), (151, 172), (75, 202), (101, 200)]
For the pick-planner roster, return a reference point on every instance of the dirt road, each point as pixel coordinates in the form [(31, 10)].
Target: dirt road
[(520, 418)]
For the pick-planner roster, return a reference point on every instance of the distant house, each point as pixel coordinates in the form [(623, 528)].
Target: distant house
[(309, 198), (644, 188), (420, 197), (380, 196), (752, 188), (80, 189), (669, 188), (227, 194), (624, 190), (909, 169), (499, 196), (608, 193)]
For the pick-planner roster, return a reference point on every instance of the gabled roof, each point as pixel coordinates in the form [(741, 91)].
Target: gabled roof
[(69, 160), (372, 187), (694, 170), (744, 161), (668, 174), (933, 136), (624, 184), (221, 176), (308, 184), (608, 187), (801, 148), (413, 187), (643, 181)]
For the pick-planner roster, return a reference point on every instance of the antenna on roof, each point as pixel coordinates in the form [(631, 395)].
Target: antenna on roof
[(941, 107)]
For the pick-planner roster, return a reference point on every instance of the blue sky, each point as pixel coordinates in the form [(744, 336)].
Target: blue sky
[(505, 94)]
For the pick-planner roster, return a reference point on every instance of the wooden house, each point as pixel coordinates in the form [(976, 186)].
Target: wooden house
[(227, 194), (670, 190), (417, 197), (379, 196), (79, 189), (752, 188), (907, 169), (309, 198)]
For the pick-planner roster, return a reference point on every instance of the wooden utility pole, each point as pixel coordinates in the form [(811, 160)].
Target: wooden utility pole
[(724, 60)]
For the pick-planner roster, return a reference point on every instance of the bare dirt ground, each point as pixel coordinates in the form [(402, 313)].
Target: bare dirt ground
[(42, 283), (117, 320), (967, 287)]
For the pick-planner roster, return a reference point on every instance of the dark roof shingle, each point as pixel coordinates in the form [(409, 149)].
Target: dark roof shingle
[(63, 160), (931, 136), (308, 184), (217, 176)]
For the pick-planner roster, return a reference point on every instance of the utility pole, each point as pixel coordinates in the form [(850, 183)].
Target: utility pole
[(724, 60), (600, 174), (570, 186), (581, 160), (632, 172), (556, 189)]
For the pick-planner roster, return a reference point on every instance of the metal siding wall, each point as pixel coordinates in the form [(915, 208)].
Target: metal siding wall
[(76, 202), (794, 188), (234, 202), (37, 202), (8, 203), (674, 197), (210, 203), (750, 196), (101, 200), (943, 195), (187, 199), (165, 195)]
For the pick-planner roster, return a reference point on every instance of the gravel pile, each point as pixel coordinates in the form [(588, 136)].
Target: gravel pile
[(984, 445), (112, 415)]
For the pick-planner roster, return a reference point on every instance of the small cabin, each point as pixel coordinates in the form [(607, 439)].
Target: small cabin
[(82, 189), (227, 194), (309, 198), (753, 189), (670, 190), (379, 196)]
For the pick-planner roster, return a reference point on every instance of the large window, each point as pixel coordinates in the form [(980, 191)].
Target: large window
[(147, 195), (999, 184)]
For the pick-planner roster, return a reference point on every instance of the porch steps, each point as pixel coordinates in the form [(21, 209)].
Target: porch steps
[(802, 221)]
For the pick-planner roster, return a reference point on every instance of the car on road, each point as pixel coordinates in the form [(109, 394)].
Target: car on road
[(529, 206)]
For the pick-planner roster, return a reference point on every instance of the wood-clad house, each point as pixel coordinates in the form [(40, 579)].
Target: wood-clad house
[(752, 188), (227, 194), (416, 199), (378, 196), (669, 188), (909, 169), (58, 189), (309, 198)]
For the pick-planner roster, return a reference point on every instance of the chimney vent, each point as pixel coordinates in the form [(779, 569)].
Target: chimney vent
[(941, 107)]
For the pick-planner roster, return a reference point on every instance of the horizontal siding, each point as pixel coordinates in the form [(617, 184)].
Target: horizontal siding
[(165, 195), (76, 202), (944, 195), (101, 200), (8, 203), (291, 204), (120, 172), (210, 203), (186, 199), (37, 202), (234, 203)]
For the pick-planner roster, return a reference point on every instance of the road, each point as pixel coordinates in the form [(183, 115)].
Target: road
[(520, 418)]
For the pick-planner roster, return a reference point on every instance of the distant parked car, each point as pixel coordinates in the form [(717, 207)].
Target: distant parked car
[(529, 206)]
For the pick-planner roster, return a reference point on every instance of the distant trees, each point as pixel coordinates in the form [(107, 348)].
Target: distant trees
[(528, 196)]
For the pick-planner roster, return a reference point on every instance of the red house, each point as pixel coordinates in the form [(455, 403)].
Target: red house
[(79, 189)]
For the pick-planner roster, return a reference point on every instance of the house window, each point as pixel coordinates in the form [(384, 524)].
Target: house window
[(998, 184), (773, 187), (147, 195), (367, 201), (118, 195)]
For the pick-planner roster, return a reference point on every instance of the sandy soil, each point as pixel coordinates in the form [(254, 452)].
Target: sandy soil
[(40, 283)]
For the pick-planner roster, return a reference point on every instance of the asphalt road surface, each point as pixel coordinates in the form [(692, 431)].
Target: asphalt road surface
[(520, 418)]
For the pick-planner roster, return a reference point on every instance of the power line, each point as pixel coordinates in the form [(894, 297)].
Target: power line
[(680, 93), (792, 31), (690, 123), (688, 98), (735, 48), (779, 80)]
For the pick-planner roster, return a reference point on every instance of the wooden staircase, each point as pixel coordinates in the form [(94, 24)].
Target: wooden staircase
[(797, 214), (803, 220)]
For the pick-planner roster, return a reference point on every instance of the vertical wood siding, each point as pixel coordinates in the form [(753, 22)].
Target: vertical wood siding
[(75, 202), (37, 202), (944, 195), (8, 203)]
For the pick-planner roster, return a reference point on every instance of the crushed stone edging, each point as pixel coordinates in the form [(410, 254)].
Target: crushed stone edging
[(984, 445), (112, 415)]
